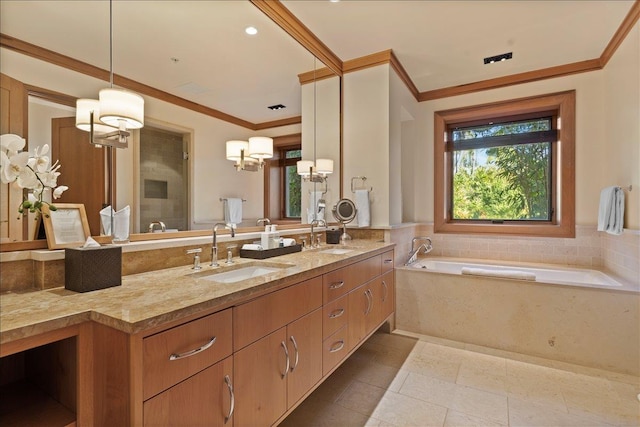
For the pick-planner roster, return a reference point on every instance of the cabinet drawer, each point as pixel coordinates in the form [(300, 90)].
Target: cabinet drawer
[(262, 316), (334, 315), (175, 354), (387, 262), (339, 282), (334, 349)]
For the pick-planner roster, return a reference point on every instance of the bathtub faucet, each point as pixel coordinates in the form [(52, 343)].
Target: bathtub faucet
[(425, 247)]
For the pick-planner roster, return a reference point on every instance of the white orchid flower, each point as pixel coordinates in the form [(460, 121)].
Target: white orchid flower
[(49, 178), (57, 193), (11, 144), (41, 162), (14, 167)]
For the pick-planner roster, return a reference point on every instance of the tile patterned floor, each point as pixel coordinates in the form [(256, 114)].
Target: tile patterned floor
[(401, 380)]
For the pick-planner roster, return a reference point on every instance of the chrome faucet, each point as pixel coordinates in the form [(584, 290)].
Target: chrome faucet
[(319, 223), (413, 256), (214, 246), (160, 223), (266, 221)]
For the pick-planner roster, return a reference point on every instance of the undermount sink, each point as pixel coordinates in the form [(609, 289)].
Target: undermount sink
[(336, 251), (238, 274)]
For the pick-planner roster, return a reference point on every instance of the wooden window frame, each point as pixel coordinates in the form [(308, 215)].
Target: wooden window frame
[(563, 222), (286, 142)]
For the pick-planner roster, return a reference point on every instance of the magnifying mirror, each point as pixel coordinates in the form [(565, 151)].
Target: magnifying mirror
[(344, 211)]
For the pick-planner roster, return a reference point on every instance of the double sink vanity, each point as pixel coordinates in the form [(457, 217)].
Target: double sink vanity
[(242, 344)]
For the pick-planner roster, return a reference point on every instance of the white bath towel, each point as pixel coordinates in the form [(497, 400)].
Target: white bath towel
[(120, 222), (233, 210), (506, 274), (611, 210), (363, 208), (313, 212)]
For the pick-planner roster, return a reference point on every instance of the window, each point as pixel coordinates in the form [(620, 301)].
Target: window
[(291, 183), (506, 168), (282, 184)]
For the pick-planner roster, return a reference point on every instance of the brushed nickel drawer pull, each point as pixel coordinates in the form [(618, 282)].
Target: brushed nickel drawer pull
[(295, 346), (286, 353), (369, 296), (232, 403), (336, 313), (386, 291), (175, 356), (335, 348), (337, 285)]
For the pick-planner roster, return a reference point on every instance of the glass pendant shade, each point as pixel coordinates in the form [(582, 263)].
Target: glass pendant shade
[(324, 166), (84, 107), (260, 147), (121, 107)]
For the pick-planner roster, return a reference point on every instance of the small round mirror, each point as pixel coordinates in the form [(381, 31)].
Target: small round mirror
[(344, 211)]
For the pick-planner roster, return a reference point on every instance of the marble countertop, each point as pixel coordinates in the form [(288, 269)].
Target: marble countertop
[(150, 299)]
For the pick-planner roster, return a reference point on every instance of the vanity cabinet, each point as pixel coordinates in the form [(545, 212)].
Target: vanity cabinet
[(188, 373)]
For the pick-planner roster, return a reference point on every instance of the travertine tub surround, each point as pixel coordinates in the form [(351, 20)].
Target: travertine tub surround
[(148, 299)]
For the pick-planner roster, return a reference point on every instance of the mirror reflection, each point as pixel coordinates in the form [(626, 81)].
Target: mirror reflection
[(175, 169)]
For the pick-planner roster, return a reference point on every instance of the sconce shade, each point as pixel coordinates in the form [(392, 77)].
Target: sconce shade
[(324, 166), (303, 167), (234, 149), (84, 107), (120, 106), (260, 147)]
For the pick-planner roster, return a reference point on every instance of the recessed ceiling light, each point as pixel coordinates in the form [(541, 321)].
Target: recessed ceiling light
[(252, 31), (334, 1), (498, 58), (276, 107)]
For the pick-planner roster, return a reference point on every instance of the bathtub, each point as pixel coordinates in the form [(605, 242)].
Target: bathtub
[(571, 315)]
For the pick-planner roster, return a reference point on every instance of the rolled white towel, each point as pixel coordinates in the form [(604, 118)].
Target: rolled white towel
[(288, 242), (252, 247), (507, 274)]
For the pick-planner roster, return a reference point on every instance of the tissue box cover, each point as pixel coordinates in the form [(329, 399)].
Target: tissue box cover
[(333, 236), (90, 269)]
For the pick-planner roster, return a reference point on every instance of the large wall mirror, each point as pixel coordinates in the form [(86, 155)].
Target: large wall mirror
[(216, 83)]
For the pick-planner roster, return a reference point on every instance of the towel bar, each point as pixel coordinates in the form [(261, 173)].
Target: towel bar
[(363, 179), (224, 199)]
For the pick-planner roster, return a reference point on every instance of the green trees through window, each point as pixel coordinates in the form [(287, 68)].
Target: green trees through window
[(502, 172)]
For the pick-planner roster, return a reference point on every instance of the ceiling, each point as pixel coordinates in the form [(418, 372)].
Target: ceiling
[(439, 43)]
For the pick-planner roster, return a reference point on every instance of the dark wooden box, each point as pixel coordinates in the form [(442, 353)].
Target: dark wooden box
[(269, 253), (90, 269)]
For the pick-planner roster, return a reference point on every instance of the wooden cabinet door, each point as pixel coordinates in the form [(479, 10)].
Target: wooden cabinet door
[(305, 353), (204, 399), (260, 380), (360, 306), (387, 295)]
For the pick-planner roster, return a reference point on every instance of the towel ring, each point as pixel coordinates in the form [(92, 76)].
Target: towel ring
[(363, 179)]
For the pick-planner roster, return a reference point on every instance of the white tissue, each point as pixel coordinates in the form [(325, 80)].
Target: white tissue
[(90, 243)]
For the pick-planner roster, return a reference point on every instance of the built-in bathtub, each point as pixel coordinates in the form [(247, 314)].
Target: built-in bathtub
[(567, 314)]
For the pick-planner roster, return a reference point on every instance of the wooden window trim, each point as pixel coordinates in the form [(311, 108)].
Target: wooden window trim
[(564, 186)]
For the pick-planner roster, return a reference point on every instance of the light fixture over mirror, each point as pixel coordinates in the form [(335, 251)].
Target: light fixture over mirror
[(109, 118), (250, 155), (315, 172)]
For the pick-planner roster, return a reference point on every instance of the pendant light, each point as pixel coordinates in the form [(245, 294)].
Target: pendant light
[(109, 118)]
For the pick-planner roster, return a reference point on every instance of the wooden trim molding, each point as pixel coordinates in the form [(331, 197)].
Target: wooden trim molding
[(286, 20), (627, 24), (319, 74)]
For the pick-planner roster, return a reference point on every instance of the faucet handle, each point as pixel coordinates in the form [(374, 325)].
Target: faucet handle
[(196, 258)]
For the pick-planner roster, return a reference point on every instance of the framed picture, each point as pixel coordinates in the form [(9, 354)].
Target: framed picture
[(67, 226)]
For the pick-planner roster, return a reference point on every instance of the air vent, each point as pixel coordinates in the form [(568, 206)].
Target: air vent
[(498, 58), (277, 107)]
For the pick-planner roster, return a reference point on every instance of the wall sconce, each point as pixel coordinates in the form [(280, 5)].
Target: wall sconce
[(317, 172), (108, 118), (250, 155)]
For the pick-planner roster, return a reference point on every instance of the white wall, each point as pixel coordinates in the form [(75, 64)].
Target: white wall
[(213, 176)]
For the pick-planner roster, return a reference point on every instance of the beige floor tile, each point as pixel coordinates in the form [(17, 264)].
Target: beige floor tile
[(482, 404), (458, 419), (398, 410), (399, 380), (525, 413), (433, 365), (328, 415), (361, 397), (428, 389), (535, 384)]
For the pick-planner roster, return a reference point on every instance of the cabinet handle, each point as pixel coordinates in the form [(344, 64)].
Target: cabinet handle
[(336, 313), (367, 293), (388, 261), (286, 353), (386, 291), (232, 404), (295, 346), (175, 356), (335, 348), (336, 285)]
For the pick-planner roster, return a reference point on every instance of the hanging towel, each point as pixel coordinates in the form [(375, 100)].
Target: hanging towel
[(313, 212), (611, 210), (233, 211), (363, 208), (120, 222)]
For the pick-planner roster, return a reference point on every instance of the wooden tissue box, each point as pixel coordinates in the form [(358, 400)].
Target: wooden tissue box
[(90, 269)]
